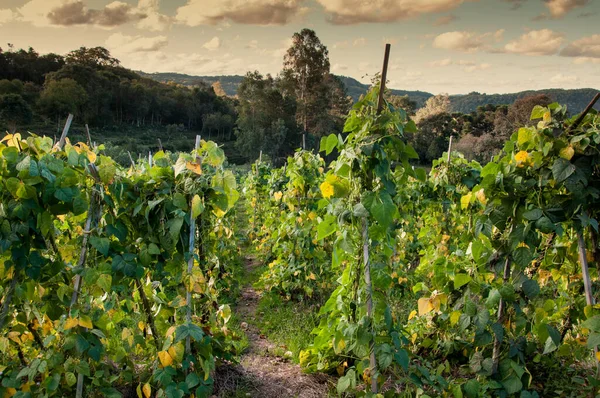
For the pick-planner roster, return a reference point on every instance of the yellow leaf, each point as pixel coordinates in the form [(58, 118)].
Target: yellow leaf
[(71, 323), (176, 352), (481, 196), (195, 167), (412, 314), (465, 201), (312, 276), (141, 325), (424, 305), (326, 190), (147, 390), (165, 359), (86, 322), (91, 156), (454, 317), (567, 152)]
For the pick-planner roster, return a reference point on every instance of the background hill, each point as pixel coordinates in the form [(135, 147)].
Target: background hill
[(576, 100)]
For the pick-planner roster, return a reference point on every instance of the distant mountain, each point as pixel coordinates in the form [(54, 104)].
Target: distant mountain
[(576, 100)]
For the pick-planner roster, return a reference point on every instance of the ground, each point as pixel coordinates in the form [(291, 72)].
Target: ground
[(266, 369)]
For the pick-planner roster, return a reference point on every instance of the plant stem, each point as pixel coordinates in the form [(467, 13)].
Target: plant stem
[(497, 341)]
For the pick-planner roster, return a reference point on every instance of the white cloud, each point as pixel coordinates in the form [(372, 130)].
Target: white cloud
[(121, 44), (588, 47), (213, 44), (336, 68), (346, 12), (564, 79), (473, 68), (7, 15), (254, 12), (586, 60), (360, 42), (559, 8), (467, 41), (253, 44), (445, 20), (536, 42), (441, 62), (154, 20)]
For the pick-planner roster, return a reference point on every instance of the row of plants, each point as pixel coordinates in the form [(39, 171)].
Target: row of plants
[(113, 279), (470, 281)]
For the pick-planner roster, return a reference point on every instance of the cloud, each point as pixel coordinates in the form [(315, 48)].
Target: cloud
[(253, 44), (119, 43), (213, 44), (445, 20), (7, 15), (560, 8), (588, 47), (253, 12), (348, 12), (516, 4), (154, 20), (564, 79), (360, 42), (467, 41), (44, 13), (476, 67), (536, 42), (336, 68), (441, 62), (586, 60), (76, 13)]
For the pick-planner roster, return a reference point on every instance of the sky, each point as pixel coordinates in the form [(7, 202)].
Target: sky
[(439, 46)]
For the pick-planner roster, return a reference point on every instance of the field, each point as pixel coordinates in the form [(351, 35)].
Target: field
[(176, 275)]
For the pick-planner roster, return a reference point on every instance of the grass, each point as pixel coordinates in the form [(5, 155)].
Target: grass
[(287, 324)]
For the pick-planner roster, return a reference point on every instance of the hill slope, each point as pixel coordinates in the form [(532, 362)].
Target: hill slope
[(576, 100)]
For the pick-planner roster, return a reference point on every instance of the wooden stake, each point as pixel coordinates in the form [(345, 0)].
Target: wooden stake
[(89, 137), (500, 319), (150, 158), (131, 160), (450, 150), (190, 267), (587, 109), (260, 157), (587, 283), (160, 147), (386, 60), (198, 139), (65, 131)]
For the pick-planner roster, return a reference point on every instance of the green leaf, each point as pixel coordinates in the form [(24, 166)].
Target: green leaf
[(472, 388), (512, 385), (562, 169), (593, 323), (345, 382), (105, 282), (538, 112), (180, 201), (460, 280), (326, 227), (70, 378), (531, 288), (192, 380), (421, 174), (100, 244), (523, 136), (197, 206), (401, 358), (533, 215), (331, 143), (383, 209), (522, 256)]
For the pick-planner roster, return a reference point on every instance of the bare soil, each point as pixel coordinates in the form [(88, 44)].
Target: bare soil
[(262, 373)]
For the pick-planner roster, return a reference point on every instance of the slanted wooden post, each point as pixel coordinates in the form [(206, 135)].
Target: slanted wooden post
[(150, 158), (260, 157), (450, 150), (65, 131), (160, 147), (131, 159), (365, 237), (190, 267), (89, 137)]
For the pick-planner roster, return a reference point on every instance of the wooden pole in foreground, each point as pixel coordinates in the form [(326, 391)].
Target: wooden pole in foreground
[(587, 110), (450, 150), (191, 250), (63, 136), (587, 283), (160, 147), (365, 236), (89, 137)]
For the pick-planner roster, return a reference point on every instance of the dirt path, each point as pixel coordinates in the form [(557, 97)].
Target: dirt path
[(265, 374)]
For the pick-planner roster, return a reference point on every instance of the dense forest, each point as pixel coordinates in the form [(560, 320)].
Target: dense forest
[(131, 111)]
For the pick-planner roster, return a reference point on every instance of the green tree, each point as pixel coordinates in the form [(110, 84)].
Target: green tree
[(94, 57), (61, 97), (14, 111), (305, 72)]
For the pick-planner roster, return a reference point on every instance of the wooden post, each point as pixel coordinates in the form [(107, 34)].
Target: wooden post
[(150, 158), (131, 160), (160, 147), (587, 283), (89, 137), (587, 109), (365, 237), (198, 139), (65, 131), (190, 266), (500, 319), (450, 150), (260, 157)]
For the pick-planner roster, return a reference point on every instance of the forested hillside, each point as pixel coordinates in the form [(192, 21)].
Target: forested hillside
[(575, 99)]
